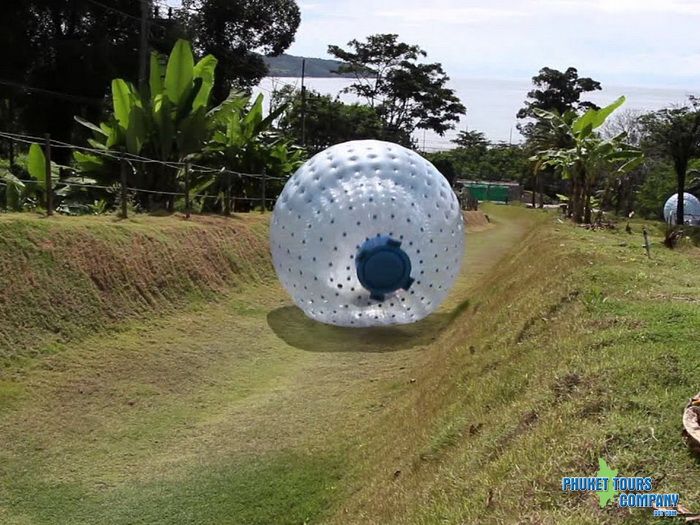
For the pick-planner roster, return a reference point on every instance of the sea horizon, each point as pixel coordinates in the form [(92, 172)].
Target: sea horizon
[(492, 103)]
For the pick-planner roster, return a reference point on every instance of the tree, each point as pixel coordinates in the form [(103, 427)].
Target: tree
[(445, 163), (328, 120), (590, 157), (475, 140), (60, 55), (407, 95), (627, 121), (237, 32), (675, 133), (558, 91), (626, 187)]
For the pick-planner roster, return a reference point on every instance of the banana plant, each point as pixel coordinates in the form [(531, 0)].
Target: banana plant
[(15, 190), (168, 122), (591, 157), (243, 141)]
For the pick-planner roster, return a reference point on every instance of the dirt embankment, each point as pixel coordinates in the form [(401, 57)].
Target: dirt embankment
[(476, 220), (65, 277)]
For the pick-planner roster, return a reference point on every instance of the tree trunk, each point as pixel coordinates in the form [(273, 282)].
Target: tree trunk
[(540, 184), (620, 195), (681, 166), (587, 212), (577, 196)]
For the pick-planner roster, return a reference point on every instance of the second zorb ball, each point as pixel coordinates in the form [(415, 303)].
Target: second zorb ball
[(691, 209), (367, 233)]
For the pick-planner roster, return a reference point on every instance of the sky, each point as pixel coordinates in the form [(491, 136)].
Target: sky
[(652, 43)]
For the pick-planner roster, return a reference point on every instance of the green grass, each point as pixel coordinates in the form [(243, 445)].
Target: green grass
[(557, 346), (582, 348), (284, 489)]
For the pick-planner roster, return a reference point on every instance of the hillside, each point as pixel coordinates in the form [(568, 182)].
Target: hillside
[(67, 277), (290, 66), (173, 381)]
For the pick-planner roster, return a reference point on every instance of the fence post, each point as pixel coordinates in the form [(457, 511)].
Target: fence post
[(47, 174), (264, 201), (646, 241), (227, 195), (123, 166), (187, 190)]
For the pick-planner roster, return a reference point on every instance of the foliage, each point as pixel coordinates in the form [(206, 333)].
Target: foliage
[(555, 91), (628, 121), (243, 141), (407, 95), (658, 185), (674, 133), (328, 120), (14, 190), (173, 123), (473, 140), (67, 51), (169, 123), (591, 156), (481, 162), (237, 32), (558, 91)]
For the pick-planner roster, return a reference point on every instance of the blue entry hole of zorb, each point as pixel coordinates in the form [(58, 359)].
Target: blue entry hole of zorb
[(383, 267), (367, 233)]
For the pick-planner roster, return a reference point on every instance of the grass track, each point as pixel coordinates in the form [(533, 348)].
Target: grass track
[(243, 411), (221, 413)]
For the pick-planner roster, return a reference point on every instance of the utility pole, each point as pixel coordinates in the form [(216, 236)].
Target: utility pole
[(143, 47), (303, 102)]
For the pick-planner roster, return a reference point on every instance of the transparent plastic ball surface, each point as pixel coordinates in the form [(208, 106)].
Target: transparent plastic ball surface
[(367, 233), (691, 209)]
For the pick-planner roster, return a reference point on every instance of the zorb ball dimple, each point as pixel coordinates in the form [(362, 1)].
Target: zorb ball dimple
[(367, 233), (691, 209)]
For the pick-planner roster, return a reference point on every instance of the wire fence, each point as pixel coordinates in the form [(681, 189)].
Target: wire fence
[(127, 160)]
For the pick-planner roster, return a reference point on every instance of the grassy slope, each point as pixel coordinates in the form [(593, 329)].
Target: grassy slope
[(65, 277), (242, 411), (578, 347)]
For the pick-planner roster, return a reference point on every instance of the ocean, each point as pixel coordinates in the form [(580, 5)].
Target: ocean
[(492, 104)]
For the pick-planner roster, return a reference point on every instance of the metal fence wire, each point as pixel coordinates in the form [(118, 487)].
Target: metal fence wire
[(125, 159)]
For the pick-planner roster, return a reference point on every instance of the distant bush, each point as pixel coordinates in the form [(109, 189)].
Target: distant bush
[(658, 186)]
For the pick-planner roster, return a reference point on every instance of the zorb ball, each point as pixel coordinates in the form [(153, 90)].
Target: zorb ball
[(691, 209), (367, 233)]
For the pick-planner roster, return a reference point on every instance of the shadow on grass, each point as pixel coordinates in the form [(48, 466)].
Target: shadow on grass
[(291, 325)]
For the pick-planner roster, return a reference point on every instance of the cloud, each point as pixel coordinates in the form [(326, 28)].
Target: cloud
[(629, 42), (450, 15), (309, 6), (684, 7)]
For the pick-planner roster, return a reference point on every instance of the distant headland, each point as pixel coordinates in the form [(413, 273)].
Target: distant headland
[(290, 66)]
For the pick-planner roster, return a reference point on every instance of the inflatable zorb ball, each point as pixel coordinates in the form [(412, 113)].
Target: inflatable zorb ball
[(367, 233), (691, 209)]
